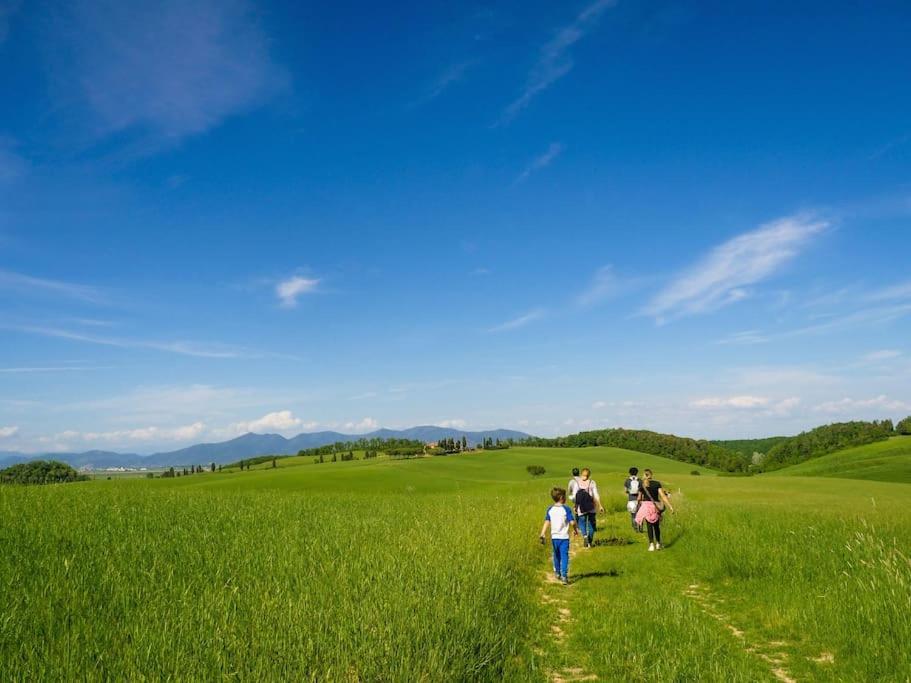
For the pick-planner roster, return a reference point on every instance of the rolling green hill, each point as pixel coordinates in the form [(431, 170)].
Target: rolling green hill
[(431, 569), (881, 461)]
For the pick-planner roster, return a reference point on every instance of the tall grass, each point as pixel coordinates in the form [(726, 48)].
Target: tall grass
[(127, 583)]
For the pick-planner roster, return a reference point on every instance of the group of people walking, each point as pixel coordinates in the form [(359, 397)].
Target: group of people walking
[(646, 503)]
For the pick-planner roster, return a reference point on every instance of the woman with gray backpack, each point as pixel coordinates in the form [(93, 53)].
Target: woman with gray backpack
[(588, 504)]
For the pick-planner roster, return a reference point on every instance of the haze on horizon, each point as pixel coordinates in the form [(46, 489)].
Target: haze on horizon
[(273, 217)]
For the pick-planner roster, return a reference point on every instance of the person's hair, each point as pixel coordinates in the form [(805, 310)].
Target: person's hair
[(587, 471), (634, 471), (648, 474), (558, 494), (575, 471)]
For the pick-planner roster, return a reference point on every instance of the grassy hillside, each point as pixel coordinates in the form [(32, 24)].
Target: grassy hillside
[(430, 569), (882, 461)]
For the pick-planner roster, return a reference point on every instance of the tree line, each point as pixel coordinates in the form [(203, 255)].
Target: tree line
[(684, 449)]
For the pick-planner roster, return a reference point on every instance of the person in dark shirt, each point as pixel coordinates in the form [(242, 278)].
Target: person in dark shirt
[(652, 503)]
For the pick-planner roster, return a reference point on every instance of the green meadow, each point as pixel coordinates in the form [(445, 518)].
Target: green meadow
[(888, 460), (429, 570)]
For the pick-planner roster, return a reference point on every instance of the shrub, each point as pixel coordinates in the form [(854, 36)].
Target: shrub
[(535, 470), (695, 473), (40, 472)]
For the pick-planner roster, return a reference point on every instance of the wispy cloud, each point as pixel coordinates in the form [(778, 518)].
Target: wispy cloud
[(49, 368), (288, 291), (864, 317), (895, 292), (521, 321), (721, 277), (605, 284), (7, 432), (541, 161), (164, 69), (853, 406), (452, 75), (28, 284), (883, 354), (554, 60), (731, 402), (179, 347)]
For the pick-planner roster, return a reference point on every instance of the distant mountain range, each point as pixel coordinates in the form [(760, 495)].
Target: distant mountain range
[(250, 445)]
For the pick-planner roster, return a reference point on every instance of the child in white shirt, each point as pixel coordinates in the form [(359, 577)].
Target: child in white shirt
[(559, 518)]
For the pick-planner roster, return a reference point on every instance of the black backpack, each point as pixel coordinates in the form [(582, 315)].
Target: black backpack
[(585, 502)]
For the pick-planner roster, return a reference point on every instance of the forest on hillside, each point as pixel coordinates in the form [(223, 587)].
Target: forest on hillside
[(695, 451), (824, 440)]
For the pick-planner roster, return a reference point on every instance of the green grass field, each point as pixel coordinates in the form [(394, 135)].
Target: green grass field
[(430, 570), (881, 461)]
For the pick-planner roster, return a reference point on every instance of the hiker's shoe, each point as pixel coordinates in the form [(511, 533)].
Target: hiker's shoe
[(651, 547), (565, 580), (657, 546)]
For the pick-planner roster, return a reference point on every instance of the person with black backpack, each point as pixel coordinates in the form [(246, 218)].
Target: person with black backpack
[(588, 502), (632, 486)]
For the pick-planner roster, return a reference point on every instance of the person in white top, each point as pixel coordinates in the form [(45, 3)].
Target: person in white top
[(559, 519), (573, 485), (587, 503)]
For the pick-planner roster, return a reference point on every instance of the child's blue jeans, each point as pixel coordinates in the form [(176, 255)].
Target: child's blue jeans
[(561, 556)]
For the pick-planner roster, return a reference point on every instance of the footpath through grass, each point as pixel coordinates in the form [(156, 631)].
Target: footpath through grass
[(429, 570)]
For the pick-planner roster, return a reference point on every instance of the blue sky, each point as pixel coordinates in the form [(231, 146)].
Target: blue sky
[(218, 217)]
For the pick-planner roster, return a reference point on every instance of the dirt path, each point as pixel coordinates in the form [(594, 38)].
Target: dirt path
[(554, 597), (769, 652)]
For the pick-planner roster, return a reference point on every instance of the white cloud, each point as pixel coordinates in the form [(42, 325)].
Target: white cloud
[(744, 337), (521, 321), (289, 290), (456, 423), (163, 68), (140, 434), (597, 405), (554, 62), (452, 75), (179, 347), (720, 277), (856, 407), (541, 161), (884, 354), (279, 421), (731, 402), (49, 368), (604, 285), (899, 291), (6, 432), (368, 424), (26, 284)]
